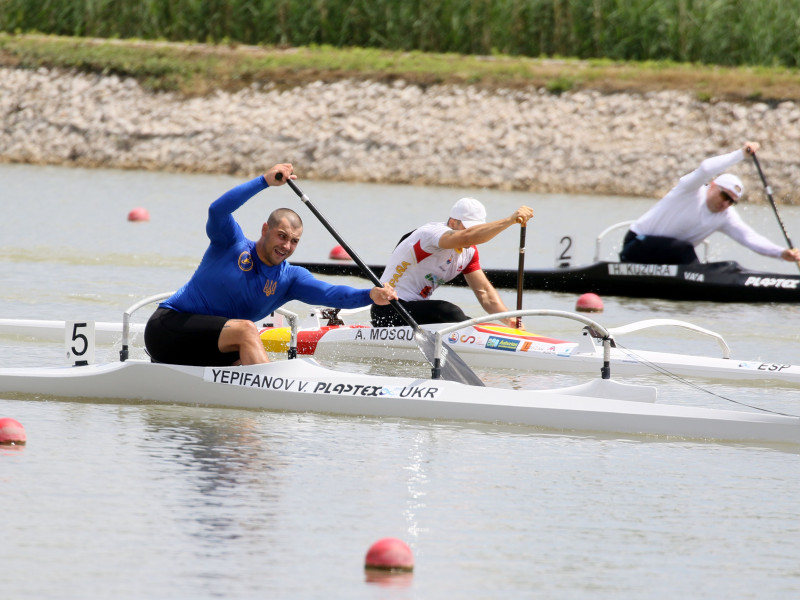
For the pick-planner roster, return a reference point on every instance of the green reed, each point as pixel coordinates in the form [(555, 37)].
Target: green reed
[(725, 32)]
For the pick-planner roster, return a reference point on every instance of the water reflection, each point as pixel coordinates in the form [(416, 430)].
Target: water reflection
[(222, 466), (11, 449), (389, 579)]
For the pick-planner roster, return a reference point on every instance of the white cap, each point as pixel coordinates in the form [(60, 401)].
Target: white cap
[(469, 211), (731, 184)]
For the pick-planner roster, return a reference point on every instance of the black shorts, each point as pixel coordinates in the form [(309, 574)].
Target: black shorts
[(423, 312), (186, 339), (656, 250)]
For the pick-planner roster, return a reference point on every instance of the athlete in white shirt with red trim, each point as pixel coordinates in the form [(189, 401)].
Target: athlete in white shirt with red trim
[(694, 209), (436, 253)]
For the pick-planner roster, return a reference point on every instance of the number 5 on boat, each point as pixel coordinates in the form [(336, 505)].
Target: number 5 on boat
[(79, 341)]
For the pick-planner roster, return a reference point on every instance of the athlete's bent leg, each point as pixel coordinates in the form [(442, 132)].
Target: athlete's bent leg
[(241, 335)]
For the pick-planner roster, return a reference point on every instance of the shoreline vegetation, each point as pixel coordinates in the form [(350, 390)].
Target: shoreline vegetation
[(711, 32), (193, 69), (593, 126)]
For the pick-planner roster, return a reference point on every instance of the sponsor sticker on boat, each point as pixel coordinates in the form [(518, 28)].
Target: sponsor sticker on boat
[(498, 343), (629, 358), (271, 382), (564, 349), (465, 338), (772, 282)]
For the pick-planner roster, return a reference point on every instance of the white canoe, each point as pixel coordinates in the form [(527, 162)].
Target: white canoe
[(602, 405), (489, 345), (301, 385)]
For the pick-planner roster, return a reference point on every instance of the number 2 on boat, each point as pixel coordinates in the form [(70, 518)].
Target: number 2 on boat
[(564, 258)]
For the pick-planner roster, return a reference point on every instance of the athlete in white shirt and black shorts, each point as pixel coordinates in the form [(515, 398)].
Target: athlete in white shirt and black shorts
[(696, 207)]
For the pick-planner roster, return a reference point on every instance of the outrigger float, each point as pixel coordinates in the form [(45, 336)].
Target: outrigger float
[(303, 385)]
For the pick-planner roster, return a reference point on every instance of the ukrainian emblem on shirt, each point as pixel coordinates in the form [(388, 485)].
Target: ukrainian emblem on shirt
[(245, 261), (269, 287)]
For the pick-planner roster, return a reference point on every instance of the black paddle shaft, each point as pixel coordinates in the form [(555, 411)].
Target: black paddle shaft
[(406, 316), (768, 190), (448, 363)]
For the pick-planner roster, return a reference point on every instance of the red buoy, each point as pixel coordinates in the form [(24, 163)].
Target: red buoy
[(389, 554), (139, 214), (11, 432), (589, 303), (339, 253)]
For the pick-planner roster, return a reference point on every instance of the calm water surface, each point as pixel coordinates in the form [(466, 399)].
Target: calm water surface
[(143, 501)]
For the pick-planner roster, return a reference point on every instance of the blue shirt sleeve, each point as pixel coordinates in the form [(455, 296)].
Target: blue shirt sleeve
[(310, 290), (221, 227)]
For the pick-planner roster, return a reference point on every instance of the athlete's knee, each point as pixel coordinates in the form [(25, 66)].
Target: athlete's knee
[(240, 329)]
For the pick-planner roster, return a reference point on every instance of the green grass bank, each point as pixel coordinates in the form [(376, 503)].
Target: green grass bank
[(197, 69)]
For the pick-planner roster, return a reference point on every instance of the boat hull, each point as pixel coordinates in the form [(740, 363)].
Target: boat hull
[(716, 282), (304, 386)]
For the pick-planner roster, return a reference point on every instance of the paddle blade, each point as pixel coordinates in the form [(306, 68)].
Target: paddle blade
[(453, 366)]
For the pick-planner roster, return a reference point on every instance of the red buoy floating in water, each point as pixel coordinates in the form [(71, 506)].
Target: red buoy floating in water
[(139, 214), (389, 554), (589, 303), (12, 432), (339, 253)]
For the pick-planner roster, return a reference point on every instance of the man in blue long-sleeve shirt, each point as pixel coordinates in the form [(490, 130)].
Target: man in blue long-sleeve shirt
[(210, 320)]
